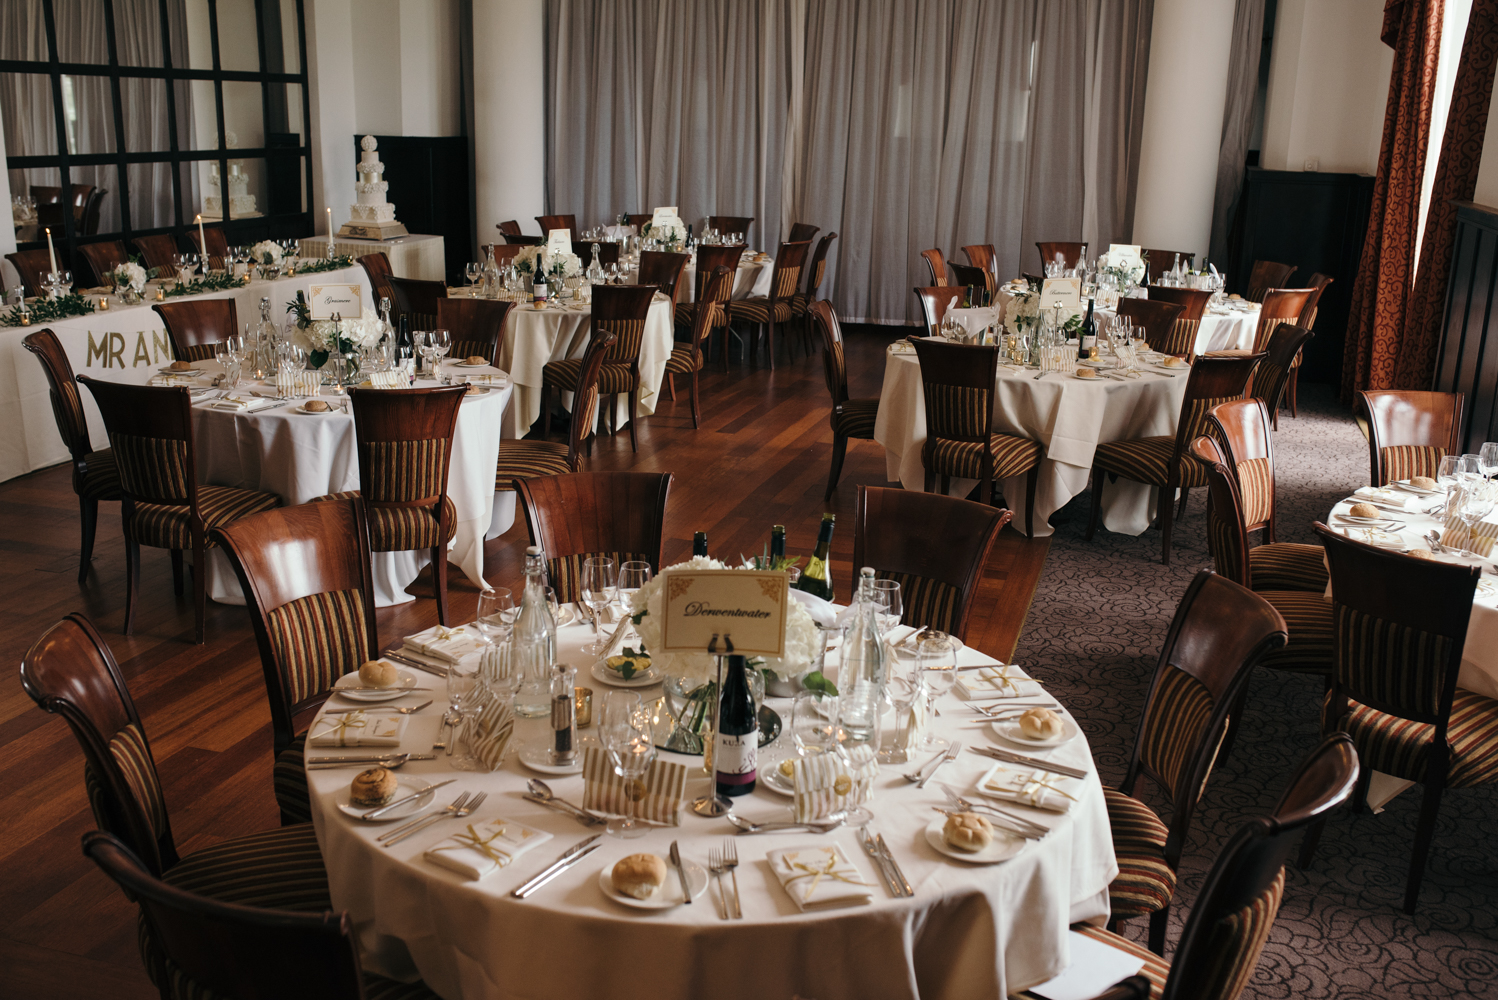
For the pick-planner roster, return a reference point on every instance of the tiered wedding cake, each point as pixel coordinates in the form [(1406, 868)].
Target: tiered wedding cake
[(371, 217), (241, 202)]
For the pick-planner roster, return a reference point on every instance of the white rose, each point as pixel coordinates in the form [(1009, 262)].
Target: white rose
[(266, 252), (364, 332)]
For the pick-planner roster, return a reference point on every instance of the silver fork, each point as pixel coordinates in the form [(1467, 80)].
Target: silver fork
[(715, 865), (403, 711), (457, 804), (731, 862), (473, 804)]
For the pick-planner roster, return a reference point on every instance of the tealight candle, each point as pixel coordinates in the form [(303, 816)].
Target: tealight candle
[(104, 303), (161, 295)]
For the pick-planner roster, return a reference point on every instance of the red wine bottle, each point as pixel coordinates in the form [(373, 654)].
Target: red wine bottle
[(738, 732), (699, 544)]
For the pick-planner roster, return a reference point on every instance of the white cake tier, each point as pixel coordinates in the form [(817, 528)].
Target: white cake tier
[(239, 204), (372, 213)]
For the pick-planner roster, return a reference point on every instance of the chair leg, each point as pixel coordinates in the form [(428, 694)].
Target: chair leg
[(88, 511), (946, 485), (696, 404), (634, 416), (545, 411), (439, 579), (1159, 923), (1097, 502), (1425, 831), (1359, 800), (1163, 511), (1181, 510), (1308, 845), (1030, 478), (770, 339), (1294, 382), (671, 387), (727, 339), (928, 485), (200, 593), (177, 572), (132, 581), (839, 450)]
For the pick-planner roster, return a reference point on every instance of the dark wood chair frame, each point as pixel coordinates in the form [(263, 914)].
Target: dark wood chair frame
[(194, 326), (477, 326), (707, 317), (935, 301), (1409, 417)]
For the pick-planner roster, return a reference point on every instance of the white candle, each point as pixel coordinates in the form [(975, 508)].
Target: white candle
[(51, 256), (330, 224), (202, 243)]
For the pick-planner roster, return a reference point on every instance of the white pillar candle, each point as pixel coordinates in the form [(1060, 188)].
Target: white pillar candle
[(330, 231), (202, 242), (51, 256)]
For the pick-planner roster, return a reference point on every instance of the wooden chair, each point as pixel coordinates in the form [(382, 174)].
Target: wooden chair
[(1281, 353), (727, 224), (209, 948), (803, 232), (405, 441), (937, 586), (377, 268), (1220, 630), (663, 272), (687, 359), (88, 220), (509, 227), (95, 476), (1193, 303), (417, 300), (983, 255), (502, 251), (1240, 429), (1403, 626), (776, 307), (307, 583), (101, 259), (709, 259), (1161, 461), (71, 672), (639, 220), (32, 266), (1266, 274), (1307, 319), (936, 263), (1280, 305), (1157, 262), (802, 300), (964, 276), (608, 253), (161, 504), (620, 310), (196, 325), (936, 301), (476, 326), (959, 381), (1070, 253), (526, 458), (1159, 321), (851, 418), (1229, 924), (550, 222), (157, 251), (218, 245), (522, 240), (621, 515), (1410, 431)]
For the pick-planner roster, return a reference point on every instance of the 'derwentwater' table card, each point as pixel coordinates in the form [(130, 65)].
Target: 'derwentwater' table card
[(749, 605)]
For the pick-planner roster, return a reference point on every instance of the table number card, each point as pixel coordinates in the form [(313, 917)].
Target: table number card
[(1065, 292), (1124, 255), (345, 300), (749, 605), (558, 241), (664, 214)]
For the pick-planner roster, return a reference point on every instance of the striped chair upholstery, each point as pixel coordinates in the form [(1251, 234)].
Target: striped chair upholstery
[(133, 757), (1181, 341), (566, 572), (528, 459), (100, 479), (157, 467), (612, 379), (929, 603), (782, 289), (1149, 460), (1402, 747), (851, 418), (1287, 566), (955, 418), (1406, 460), (396, 529), (196, 352), (855, 418), (1255, 485)]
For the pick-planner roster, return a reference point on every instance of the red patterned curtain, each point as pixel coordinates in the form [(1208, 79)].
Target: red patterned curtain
[(1381, 291), (1456, 180)]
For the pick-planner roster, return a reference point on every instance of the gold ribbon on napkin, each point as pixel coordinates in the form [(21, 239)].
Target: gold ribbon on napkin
[(484, 845), (445, 634), (816, 874), (353, 720), (1037, 784)]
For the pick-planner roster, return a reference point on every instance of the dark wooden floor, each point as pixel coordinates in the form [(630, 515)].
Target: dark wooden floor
[(761, 458)]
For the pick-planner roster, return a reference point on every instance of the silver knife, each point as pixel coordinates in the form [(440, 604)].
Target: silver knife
[(376, 813), (681, 872), (894, 866), (1021, 759), (867, 843), (385, 690), (568, 858), (408, 662), (951, 754), (351, 761)]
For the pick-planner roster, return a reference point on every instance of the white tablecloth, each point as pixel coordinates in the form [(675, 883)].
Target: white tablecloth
[(969, 931), (125, 344), (1068, 416), (422, 257), (751, 280)]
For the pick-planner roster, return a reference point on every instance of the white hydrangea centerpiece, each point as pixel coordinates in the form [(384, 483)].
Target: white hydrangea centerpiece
[(129, 275), (1021, 312), (266, 253), (669, 231), (524, 260)]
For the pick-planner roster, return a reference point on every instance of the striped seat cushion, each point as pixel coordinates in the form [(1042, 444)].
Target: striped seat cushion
[(684, 360), (1398, 746), (279, 869), (1288, 566), (565, 375), (527, 460), (166, 527), (289, 780), (855, 418), (1145, 883), (397, 529), (758, 310), (1406, 460), (686, 312), (1012, 456), (1156, 969), (801, 304), (102, 480), (1309, 620), (1147, 460)]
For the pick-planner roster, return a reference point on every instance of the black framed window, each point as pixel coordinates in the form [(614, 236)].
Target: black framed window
[(128, 118)]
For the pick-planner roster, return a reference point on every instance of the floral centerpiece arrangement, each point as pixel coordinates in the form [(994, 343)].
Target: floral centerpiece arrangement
[(129, 282), (319, 337), (266, 253), (1022, 312), (670, 233), (1126, 273)]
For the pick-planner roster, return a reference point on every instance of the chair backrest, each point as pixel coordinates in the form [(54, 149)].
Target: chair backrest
[(1219, 632), (1399, 628), (1280, 305), (1193, 301), (67, 405), (1267, 274), (157, 251), (790, 260), (220, 949), (1317, 284), (937, 585), (524, 240), (608, 252), (818, 268), (726, 224), (1410, 431), (1227, 928), (1157, 262), (196, 325), (1227, 533), (377, 268), (306, 577), (150, 430), (1158, 320), (502, 251), (81, 195), (663, 270), (617, 514), (638, 220), (711, 306), (958, 380), (1280, 350), (1240, 428), (417, 299), (32, 266), (802, 232), (621, 310), (1213, 380), (1070, 252), (405, 440), (936, 263), (709, 259), (585, 398), (936, 301), (475, 325), (550, 222), (983, 255), (834, 358), (71, 672), (509, 227), (45, 194), (964, 276), (218, 243), (100, 259)]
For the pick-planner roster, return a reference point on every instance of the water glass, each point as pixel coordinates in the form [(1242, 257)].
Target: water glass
[(626, 736), (632, 576), (496, 615), (1487, 459), (1476, 504), (599, 578), (814, 725), (888, 608), (441, 343), (463, 701), (937, 661), (472, 273)]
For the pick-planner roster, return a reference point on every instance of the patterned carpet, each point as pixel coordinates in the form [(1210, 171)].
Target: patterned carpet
[(1094, 632)]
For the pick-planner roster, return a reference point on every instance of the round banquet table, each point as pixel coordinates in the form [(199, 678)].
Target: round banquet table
[(299, 456), (1069, 416), (969, 930), (751, 280)]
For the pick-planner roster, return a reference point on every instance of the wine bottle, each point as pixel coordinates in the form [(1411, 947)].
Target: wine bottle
[(816, 578), (538, 283), (699, 544), (737, 743), (777, 544), (1087, 336), (405, 348)]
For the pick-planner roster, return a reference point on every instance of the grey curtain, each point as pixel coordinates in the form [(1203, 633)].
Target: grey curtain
[(1237, 120)]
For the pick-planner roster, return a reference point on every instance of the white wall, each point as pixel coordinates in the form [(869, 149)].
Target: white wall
[(509, 131), (1328, 86)]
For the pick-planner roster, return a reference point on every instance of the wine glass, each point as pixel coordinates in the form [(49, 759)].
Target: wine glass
[(1487, 459), (496, 615), (632, 576), (937, 661), (424, 348), (472, 272), (442, 342), (1476, 504), (463, 703), (814, 725), (1448, 473), (888, 608), (1470, 468), (599, 579), (626, 737)]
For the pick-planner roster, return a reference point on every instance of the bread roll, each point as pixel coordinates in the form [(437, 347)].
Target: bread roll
[(1423, 482), (788, 767), (378, 673), (476, 390), (1086, 373), (968, 832), (475, 359), (371, 788), (180, 366), (1421, 553), (315, 406), (1040, 724), (1173, 362), (639, 875), (1363, 510)]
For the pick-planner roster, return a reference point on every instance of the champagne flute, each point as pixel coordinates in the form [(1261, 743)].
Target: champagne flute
[(598, 582), (626, 737), (937, 661)]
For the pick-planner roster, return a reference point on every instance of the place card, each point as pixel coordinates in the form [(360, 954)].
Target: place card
[(1125, 255), (748, 605), (1065, 292), (558, 241), (664, 214), (345, 300)]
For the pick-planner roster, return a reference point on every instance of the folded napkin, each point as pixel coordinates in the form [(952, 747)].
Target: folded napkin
[(1388, 496), (902, 347), (657, 795), (820, 876), (389, 380), (448, 645), (1484, 533), (1003, 681), (298, 383), (1041, 789), (491, 731), (358, 729), (826, 783), (482, 848)]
